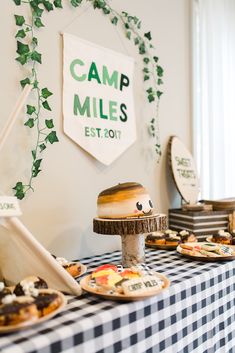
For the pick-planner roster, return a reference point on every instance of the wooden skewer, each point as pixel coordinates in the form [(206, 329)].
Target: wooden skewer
[(12, 118)]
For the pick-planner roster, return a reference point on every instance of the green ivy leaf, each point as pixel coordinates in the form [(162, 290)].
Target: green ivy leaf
[(142, 48), (136, 41), (106, 11), (128, 34), (52, 137), (38, 23), (22, 59), (29, 123), (37, 12), (151, 98), (46, 93), (159, 82), (35, 40), (20, 20), (31, 109), (75, 3), (149, 90), (99, 4), (34, 154), (146, 60), (19, 188), (57, 3), (36, 166), (139, 25), (146, 77), (37, 163), (35, 56), (159, 93), (42, 147), (155, 58), (146, 70), (20, 34), (49, 123), (22, 48), (17, 2), (35, 84), (159, 71), (46, 105), (48, 6), (127, 26), (24, 82), (114, 20), (148, 35)]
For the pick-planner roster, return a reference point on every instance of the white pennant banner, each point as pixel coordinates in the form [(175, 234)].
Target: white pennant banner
[(98, 102)]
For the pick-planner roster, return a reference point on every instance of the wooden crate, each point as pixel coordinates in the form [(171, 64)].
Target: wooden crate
[(201, 223)]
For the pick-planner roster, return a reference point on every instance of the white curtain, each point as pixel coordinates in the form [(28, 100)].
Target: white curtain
[(214, 96)]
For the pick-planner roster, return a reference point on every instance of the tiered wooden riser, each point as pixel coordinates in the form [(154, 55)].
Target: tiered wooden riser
[(132, 232)]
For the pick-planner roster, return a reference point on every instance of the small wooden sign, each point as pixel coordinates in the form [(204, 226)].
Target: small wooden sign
[(9, 206), (184, 170)]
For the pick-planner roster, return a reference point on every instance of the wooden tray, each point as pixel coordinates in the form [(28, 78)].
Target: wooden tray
[(205, 258), (121, 297), (160, 246), (29, 324)]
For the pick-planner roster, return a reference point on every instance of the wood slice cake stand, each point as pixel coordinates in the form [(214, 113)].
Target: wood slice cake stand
[(132, 232)]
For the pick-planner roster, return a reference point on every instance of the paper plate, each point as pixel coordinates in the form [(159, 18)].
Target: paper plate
[(29, 324), (205, 258), (121, 297)]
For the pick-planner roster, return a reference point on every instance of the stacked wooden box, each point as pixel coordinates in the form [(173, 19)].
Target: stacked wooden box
[(201, 223)]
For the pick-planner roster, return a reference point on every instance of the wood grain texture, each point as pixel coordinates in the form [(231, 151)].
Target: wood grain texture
[(140, 225)]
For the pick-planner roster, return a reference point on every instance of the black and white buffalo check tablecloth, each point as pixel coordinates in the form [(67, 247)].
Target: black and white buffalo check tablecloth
[(196, 314)]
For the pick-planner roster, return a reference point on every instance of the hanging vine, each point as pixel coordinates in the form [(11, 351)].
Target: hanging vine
[(28, 54)]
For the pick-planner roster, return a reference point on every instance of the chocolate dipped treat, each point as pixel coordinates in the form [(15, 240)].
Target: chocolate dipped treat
[(30, 286)]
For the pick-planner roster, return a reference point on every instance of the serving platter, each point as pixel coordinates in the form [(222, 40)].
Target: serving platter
[(31, 323), (207, 258), (122, 297)]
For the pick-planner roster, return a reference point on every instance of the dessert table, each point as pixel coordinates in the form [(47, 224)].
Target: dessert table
[(196, 314)]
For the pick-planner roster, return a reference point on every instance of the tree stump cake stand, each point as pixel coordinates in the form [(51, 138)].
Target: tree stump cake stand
[(132, 232)]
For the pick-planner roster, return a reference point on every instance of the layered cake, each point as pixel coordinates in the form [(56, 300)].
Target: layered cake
[(124, 200)]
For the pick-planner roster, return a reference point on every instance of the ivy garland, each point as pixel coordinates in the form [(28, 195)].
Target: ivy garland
[(27, 44)]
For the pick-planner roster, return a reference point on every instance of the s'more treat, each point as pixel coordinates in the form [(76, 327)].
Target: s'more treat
[(124, 200)]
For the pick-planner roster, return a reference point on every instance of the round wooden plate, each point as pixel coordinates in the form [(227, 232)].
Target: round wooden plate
[(29, 324), (160, 246), (121, 297), (207, 258)]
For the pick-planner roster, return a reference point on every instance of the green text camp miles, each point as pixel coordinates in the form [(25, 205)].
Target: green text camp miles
[(93, 106)]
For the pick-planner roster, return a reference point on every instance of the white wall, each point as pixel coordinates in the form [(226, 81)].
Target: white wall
[(60, 211)]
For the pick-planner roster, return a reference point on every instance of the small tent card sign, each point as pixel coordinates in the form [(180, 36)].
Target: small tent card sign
[(9, 206), (98, 103)]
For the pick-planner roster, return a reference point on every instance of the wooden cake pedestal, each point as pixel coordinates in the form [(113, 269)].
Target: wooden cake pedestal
[(132, 232)]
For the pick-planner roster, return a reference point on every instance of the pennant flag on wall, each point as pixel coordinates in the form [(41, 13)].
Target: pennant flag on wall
[(98, 102)]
